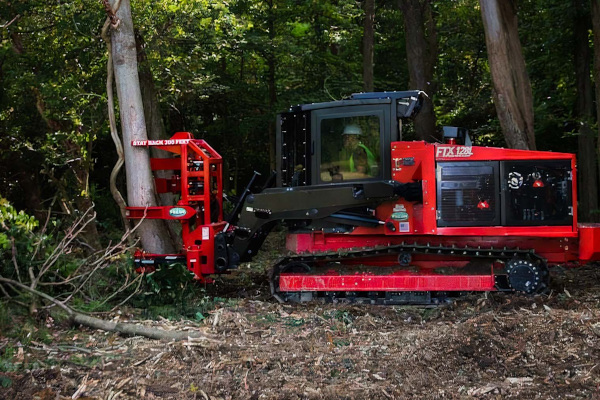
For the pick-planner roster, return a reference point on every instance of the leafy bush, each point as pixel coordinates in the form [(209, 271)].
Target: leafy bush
[(16, 225), (17, 238), (171, 292)]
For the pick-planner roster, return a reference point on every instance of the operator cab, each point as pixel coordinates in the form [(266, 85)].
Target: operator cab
[(342, 141)]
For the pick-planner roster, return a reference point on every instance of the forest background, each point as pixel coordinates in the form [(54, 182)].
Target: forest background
[(522, 74), (223, 69)]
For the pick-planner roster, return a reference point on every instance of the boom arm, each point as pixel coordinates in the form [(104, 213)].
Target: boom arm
[(321, 205)]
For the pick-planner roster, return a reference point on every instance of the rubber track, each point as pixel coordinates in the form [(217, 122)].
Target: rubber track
[(413, 248)]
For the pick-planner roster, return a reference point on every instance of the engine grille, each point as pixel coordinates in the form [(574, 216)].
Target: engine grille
[(467, 194)]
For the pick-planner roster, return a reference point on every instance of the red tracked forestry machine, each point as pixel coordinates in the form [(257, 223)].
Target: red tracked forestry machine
[(372, 218)]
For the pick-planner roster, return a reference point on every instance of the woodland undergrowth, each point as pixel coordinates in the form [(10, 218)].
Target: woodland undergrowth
[(51, 257)]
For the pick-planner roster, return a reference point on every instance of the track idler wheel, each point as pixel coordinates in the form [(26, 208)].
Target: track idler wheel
[(527, 276), (294, 266)]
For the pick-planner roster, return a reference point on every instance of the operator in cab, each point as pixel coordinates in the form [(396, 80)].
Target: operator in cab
[(360, 159), (353, 161)]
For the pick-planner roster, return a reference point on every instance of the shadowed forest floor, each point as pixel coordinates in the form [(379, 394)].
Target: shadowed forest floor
[(494, 346)]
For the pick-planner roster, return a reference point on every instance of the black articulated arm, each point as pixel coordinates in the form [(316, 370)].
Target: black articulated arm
[(262, 211)]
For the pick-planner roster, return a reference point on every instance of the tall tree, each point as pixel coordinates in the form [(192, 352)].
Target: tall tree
[(140, 185), (512, 88), (421, 54), (368, 43), (584, 112), (271, 81), (596, 31), (155, 129)]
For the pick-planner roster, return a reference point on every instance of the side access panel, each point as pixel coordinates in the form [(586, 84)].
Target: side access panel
[(468, 193), (589, 242)]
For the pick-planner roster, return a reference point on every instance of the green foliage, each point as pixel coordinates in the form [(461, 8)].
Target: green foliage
[(167, 283), (7, 364), (99, 291), (547, 36), (23, 245), (15, 225), (295, 322), (52, 91), (343, 316), (5, 381), (88, 306), (14, 220), (86, 361), (47, 254), (5, 316), (170, 292), (214, 64), (464, 96), (196, 307), (17, 239)]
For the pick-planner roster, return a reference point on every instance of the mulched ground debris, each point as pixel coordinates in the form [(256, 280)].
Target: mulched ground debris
[(478, 347)]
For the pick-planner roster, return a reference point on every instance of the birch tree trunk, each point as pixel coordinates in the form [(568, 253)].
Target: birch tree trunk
[(156, 131), (512, 89), (421, 53), (368, 44), (140, 183)]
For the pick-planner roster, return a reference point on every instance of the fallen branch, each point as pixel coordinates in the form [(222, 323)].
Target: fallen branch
[(4, 292), (121, 328), (38, 293), (14, 258), (110, 252), (43, 231), (137, 330), (80, 224)]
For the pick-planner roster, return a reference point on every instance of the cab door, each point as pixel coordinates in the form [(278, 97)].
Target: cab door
[(351, 143)]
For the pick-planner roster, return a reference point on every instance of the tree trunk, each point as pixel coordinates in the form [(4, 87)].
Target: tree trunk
[(272, 101), (596, 31), (140, 185), (421, 54), (512, 88), (80, 168), (368, 44), (156, 131), (271, 64), (30, 185), (584, 112)]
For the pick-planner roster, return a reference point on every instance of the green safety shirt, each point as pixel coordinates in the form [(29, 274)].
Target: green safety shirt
[(370, 159)]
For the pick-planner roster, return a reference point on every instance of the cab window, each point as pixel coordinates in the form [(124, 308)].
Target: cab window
[(350, 148)]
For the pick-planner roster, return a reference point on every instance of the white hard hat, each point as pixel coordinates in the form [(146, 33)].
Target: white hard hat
[(352, 129)]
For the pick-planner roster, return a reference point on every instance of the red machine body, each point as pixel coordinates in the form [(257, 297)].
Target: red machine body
[(568, 244), (198, 168), (484, 218), (558, 244)]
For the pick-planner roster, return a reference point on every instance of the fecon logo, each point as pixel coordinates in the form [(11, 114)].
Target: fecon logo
[(177, 212), (453, 152), (400, 216)]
